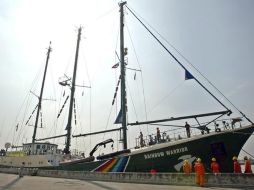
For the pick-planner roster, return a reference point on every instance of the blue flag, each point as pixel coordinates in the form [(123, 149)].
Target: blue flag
[(119, 118), (188, 75)]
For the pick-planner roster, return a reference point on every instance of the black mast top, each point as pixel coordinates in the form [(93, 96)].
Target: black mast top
[(40, 97), (68, 127), (123, 86)]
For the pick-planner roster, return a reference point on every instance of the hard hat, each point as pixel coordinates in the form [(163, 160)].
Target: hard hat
[(245, 158), (185, 161), (199, 160), (234, 158), (213, 159)]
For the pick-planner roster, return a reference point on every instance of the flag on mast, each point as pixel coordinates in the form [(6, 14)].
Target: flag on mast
[(119, 118), (188, 75), (115, 66)]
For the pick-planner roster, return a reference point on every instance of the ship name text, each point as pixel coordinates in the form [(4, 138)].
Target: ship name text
[(166, 153)]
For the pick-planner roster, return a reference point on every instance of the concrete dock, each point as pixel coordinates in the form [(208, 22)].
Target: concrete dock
[(13, 182), (127, 180)]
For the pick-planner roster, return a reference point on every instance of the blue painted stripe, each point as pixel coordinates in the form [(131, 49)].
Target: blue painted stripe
[(116, 167), (124, 162), (120, 165)]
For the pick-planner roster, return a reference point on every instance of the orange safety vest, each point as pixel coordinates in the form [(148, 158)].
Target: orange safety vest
[(247, 166), (199, 168), (215, 168), (187, 168), (237, 167)]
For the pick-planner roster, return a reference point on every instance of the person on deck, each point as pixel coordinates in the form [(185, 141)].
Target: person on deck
[(186, 167), (200, 172), (237, 167), (21, 169), (141, 138), (215, 168), (247, 165), (158, 133), (187, 127)]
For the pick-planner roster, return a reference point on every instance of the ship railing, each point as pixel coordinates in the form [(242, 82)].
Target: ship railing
[(178, 134), (166, 136)]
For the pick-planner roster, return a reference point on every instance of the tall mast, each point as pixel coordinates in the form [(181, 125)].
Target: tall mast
[(68, 128), (123, 86), (41, 93)]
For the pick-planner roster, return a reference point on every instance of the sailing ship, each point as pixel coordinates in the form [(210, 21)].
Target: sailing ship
[(44, 154), (33, 154), (163, 154)]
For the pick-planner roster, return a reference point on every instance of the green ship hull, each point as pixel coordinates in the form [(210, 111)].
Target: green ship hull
[(169, 156)]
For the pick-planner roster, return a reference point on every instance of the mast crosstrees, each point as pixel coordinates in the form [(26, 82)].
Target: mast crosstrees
[(72, 101)]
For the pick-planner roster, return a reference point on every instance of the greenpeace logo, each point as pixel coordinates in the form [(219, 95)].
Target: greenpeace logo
[(166, 153)]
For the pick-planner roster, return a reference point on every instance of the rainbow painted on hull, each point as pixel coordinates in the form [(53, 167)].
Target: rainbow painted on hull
[(113, 165)]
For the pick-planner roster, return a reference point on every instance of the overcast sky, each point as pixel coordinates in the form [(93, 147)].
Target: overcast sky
[(216, 36)]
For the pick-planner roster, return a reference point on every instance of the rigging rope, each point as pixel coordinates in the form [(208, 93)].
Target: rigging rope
[(132, 103), (165, 97), (116, 61), (23, 120), (53, 79), (31, 114), (116, 90), (28, 97), (56, 131), (102, 16), (15, 129), (90, 101), (62, 106), (142, 79), (74, 105), (191, 65), (175, 57), (41, 118), (90, 117), (107, 121), (62, 94)]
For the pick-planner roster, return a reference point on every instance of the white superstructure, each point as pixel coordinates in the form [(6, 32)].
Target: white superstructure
[(33, 155)]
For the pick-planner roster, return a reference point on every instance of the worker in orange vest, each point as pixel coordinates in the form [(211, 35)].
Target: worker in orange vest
[(237, 167), (215, 168), (200, 172), (186, 167), (247, 165)]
